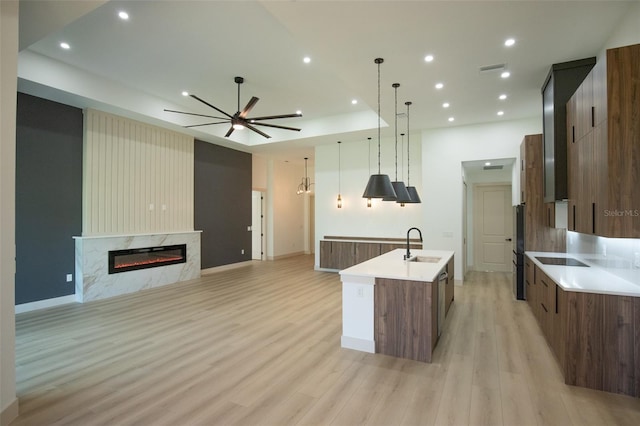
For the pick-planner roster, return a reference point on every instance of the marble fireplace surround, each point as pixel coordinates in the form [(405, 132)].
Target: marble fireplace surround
[(93, 281)]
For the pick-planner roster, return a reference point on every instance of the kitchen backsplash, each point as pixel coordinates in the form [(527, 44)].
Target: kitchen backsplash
[(619, 256)]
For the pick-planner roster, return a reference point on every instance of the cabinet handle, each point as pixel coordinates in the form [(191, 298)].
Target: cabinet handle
[(556, 298), (545, 284), (593, 116), (573, 134), (544, 307), (593, 218), (574, 217)]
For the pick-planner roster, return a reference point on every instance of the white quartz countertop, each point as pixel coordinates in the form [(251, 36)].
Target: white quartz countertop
[(593, 279), (391, 265)]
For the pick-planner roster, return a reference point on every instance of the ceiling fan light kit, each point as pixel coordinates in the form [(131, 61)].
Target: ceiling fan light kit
[(379, 185), (240, 119)]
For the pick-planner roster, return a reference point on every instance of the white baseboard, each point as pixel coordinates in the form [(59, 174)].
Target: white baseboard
[(9, 413), (358, 344), (227, 267), (47, 303)]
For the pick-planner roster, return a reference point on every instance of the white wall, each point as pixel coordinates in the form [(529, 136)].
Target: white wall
[(285, 210), (354, 219), (627, 32), (443, 151), (8, 98)]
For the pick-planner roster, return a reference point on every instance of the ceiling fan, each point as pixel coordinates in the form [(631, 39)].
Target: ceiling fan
[(240, 120)]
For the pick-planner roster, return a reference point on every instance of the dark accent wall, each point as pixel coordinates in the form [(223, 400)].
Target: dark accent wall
[(222, 200), (48, 197)]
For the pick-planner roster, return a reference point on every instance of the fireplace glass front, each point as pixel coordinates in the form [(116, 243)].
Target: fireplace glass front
[(149, 257)]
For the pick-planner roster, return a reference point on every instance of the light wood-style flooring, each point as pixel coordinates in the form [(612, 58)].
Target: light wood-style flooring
[(260, 345)]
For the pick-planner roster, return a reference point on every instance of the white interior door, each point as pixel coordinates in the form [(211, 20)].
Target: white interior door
[(493, 227), (257, 225)]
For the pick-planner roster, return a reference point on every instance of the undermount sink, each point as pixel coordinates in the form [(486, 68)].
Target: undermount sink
[(425, 259)]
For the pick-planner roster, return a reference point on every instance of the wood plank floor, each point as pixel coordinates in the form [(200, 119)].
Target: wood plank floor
[(260, 345)]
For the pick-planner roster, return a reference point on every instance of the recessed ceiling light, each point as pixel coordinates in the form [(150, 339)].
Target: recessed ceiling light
[(502, 97), (123, 15), (185, 93), (505, 74), (451, 118), (306, 59), (65, 45), (445, 105), (488, 163), (354, 101), (439, 85), (500, 112), (509, 42), (428, 58), (299, 112)]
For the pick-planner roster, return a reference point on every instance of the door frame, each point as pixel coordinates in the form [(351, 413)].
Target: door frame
[(475, 221)]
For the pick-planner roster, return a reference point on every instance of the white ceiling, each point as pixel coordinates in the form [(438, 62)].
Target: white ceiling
[(200, 46)]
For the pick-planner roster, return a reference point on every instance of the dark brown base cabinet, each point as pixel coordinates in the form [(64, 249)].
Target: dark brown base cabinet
[(595, 337), (339, 254)]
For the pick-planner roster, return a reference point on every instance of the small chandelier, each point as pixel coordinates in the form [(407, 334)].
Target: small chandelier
[(305, 185)]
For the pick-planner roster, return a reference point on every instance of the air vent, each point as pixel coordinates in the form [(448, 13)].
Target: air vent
[(492, 68), (493, 167)]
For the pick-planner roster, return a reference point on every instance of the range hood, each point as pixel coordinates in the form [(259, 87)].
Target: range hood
[(561, 83)]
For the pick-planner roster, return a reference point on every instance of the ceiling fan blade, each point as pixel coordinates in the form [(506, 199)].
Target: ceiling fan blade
[(209, 105), (276, 126), (250, 127), (206, 124), (231, 129), (273, 117), (249, 107), (192, 113)]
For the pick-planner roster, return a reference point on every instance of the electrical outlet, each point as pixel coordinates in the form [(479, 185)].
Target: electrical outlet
[(636, 260), (69, 278)]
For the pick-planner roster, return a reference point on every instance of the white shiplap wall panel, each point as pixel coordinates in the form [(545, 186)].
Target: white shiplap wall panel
[(138, 178)]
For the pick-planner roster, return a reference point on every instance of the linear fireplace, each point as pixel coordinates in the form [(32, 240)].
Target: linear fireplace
[(148, 257)]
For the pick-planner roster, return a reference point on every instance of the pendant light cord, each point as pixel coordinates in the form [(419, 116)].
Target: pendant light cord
[(379, 61), (339, 168), (395, 86), (408, 145)]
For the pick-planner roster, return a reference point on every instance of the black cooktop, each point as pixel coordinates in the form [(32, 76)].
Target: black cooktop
[(563, 261)]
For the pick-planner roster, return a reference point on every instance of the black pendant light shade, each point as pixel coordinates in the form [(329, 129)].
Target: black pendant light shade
[(379, 185), (413, 192)]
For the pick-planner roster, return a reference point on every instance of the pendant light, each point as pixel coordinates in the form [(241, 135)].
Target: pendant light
[(402, 196), (369, 144), (305, 185), (413, 193), (402, 163), (379, 185), (339, 196)]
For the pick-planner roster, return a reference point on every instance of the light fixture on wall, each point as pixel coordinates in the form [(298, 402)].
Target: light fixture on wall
[(402, 196), (379, 185), (339, 196), (413, 193), (305, 185)]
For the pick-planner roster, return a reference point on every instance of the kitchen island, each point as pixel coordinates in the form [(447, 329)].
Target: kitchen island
[(397, 307)]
